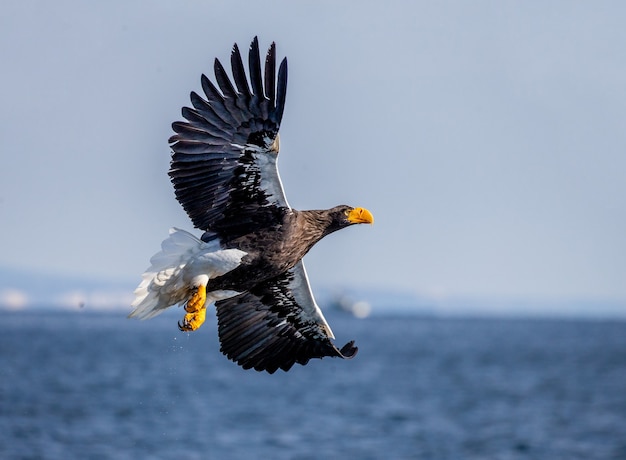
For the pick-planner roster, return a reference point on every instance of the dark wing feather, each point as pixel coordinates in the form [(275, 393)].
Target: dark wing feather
[(224, 158), (275, 325)]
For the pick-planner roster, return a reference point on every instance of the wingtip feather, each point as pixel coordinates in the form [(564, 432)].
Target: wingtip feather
[(349, 350)]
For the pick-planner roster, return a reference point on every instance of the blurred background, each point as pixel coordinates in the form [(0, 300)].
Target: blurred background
[(487, 139)]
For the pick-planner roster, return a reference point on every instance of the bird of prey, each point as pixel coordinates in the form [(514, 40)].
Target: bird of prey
[(248, 261)]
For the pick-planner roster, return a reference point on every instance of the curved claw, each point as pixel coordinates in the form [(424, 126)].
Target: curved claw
[(193, 320), (197, 300)]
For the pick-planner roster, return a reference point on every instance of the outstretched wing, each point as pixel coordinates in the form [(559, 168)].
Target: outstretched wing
[(276, 324), (224, 156)]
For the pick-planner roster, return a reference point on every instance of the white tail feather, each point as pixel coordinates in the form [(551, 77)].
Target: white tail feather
[(183, 263)]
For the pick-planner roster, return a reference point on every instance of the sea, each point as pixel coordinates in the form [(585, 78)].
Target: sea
[(84, 385)]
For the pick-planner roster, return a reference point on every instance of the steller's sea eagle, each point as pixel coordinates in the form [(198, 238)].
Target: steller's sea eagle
[(249, 259)]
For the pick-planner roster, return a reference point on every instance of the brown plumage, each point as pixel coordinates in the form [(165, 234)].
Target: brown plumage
[(249, 261)]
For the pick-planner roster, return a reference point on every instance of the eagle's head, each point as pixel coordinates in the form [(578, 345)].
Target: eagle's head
[(344, 216)]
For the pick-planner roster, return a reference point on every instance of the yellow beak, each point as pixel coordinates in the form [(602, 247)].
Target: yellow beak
[(360, 216)]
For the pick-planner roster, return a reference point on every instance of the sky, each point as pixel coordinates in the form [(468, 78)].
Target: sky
[(487, 138)]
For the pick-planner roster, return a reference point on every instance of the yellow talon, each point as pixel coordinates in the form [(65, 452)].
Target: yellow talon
[(193, 321), (196, 311), (196, 302)]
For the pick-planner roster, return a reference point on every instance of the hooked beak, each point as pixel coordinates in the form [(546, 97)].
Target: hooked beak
[(360, 216)]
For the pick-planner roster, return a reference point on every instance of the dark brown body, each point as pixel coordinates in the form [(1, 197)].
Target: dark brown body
[(283, 246)]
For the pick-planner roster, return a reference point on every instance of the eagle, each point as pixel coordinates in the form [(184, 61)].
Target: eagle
[(248, 261)]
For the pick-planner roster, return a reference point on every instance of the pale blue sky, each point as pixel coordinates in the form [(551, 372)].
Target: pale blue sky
[(488, 138)]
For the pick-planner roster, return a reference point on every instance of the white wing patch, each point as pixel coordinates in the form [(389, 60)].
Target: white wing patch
[(266, 159), (301, 290), (270, 178)]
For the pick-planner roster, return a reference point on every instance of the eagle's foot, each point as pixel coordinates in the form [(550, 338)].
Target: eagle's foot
[(196, 311), (197, 300), (193, 321)]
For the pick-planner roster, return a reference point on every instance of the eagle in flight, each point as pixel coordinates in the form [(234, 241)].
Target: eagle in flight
[(249, 258)]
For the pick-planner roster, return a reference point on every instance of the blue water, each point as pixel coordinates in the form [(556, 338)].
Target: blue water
[(88, 386)]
